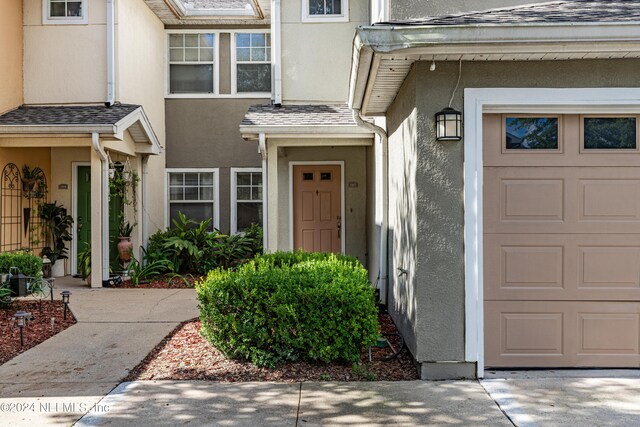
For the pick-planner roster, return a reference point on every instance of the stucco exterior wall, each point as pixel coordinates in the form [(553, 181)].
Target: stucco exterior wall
[(415, 9), (65, 63), (203, 133), (316, 57), (355, 170), (11, 89), (140, 70), (438, 289), (402, 244)]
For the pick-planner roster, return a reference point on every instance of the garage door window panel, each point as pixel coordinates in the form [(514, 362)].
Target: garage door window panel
[(609, 133), (524, 133)]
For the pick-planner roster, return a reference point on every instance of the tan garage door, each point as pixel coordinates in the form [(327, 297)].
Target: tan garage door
[(561, 241)]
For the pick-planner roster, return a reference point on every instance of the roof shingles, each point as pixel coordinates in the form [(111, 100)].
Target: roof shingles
[(66, 115), (298, 115), (549, 12)]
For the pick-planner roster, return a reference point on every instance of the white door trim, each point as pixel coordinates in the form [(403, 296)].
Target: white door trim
[(513, 100), (74, 213), (342, 209)]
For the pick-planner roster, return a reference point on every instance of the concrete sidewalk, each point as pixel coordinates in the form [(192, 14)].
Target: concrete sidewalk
[(414, 403), (58, 381)]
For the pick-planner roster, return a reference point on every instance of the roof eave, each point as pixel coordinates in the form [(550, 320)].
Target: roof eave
[(372, 43), (324, 131)]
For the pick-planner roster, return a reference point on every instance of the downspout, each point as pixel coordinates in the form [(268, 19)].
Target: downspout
[(145, 202), (276, 56), (262, 147), (111, 54), (384, 229), (104, 205)]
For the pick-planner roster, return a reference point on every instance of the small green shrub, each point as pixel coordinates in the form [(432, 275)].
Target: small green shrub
[(290, 306), (27, 264), (361, 372)]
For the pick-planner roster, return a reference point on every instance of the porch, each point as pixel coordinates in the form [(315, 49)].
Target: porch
[(76, 151)]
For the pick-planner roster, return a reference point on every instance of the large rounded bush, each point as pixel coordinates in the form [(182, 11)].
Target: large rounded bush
[(290, 306)]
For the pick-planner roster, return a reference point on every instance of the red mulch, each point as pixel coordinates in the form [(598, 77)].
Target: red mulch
[(37, 330), (164, 282), (186, 355)]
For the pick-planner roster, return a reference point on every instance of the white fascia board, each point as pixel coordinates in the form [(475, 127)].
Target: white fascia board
[(138, 115), (58, 129), (360, 68), (387, 39), (305, 130)]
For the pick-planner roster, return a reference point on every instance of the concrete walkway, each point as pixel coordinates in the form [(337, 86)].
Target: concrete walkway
[(415, 403), (567, 397), (58, 381)]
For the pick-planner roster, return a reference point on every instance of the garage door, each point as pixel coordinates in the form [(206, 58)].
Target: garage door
[(561, 240)]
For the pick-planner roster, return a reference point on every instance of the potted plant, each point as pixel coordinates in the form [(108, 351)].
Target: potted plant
[(57, 231), (125, 245)]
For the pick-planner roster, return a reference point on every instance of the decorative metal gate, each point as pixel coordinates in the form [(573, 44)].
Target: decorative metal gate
[(20, 200)]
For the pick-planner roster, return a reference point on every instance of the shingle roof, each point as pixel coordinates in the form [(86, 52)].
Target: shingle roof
[(549, 12), (66, 115), (298, 115)]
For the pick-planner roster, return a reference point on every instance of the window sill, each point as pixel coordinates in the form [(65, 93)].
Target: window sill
[(266, 95), (324, 19)]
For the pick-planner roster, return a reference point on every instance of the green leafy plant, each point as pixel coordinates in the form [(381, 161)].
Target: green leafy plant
[(361, 372), (57, 230), (124, 184), (290, 306), (34, 183), (84, 261), (139, 272), (28, 264), (124, 228)]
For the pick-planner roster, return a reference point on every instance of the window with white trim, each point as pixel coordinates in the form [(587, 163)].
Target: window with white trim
[(253, 62), (246, 198), (325, 10), (64, 11), (194, 192), (191, 63)]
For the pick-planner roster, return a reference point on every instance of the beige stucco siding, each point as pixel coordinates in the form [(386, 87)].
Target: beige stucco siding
[(437, 249), (11, 54), (141, 80), (316, 57), (355, 170), (64, 63)]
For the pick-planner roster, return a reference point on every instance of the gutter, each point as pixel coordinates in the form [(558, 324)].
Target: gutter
[(111, 55), (383, 276), (104, 205), (262, 148), (276, 55)]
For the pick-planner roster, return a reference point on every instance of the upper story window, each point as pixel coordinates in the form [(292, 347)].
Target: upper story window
[(64, 11), (325, 10), (191, 63), (253, 63)]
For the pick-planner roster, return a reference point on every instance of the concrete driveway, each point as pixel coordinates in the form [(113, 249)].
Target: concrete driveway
[(567, 397)]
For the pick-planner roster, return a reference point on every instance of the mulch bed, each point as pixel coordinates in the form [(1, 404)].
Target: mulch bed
[(163, 282), (186, 355), (37, 330)]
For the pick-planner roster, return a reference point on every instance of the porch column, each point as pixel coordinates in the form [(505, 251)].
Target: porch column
[(96, 220), (272, 197)]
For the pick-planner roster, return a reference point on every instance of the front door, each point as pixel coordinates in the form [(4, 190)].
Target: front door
[(83, 220), (317, 221), (83, 211)]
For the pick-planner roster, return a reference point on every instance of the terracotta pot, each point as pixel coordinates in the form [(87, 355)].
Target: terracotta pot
[(125, 245)]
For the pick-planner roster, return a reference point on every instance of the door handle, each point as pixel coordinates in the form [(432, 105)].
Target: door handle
[(339, 224)]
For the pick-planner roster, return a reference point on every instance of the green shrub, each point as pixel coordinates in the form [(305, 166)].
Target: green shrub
[(290, 306), (191, 247), (27, 264)]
